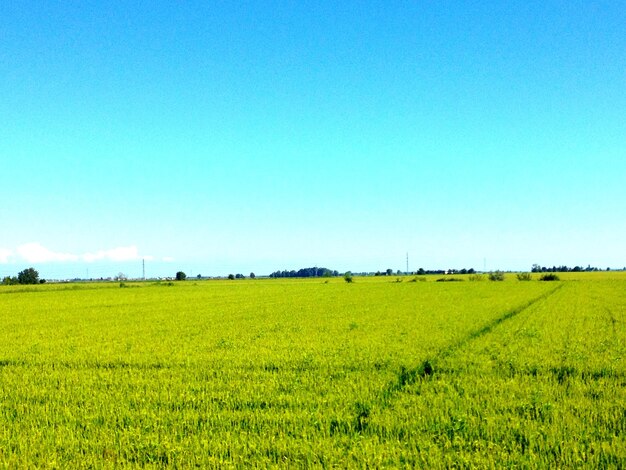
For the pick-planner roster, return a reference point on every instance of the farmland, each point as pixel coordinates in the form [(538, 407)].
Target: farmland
[(315, 373)]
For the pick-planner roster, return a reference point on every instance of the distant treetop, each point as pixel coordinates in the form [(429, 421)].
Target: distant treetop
[(561, 269), (306, 272)]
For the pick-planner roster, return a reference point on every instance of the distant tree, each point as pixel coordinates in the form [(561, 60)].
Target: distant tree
[(121, 277), (239, 276), (389, 271), (28, 276), (181, 276), (9, 281), (231, 277), (421, 272), (199, 276), (252, 276), (348, 277)]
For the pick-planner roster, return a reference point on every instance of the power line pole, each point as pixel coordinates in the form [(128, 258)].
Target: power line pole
[(143, 266), (407, 262)]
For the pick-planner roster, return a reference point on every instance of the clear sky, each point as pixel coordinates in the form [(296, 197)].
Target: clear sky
[(225, 137)]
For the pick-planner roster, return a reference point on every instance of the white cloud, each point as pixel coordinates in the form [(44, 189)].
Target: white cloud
[(168, 259), (36, 253), (123, 253), (5, 255)]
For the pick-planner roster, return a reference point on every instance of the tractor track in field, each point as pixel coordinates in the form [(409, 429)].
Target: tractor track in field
[(494, 323), (427, 368)]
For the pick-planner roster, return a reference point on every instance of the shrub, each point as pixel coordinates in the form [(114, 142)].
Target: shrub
[(348, 277), (524, 277), (476, 277), (549, 277), (496, 276)]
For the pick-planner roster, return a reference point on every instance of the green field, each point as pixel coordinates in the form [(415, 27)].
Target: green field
[(299, 373)]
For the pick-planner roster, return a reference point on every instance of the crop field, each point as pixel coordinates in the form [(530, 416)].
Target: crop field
[(383, 372)]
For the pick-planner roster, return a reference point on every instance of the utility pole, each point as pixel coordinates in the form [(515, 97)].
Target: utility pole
[(407, 262), (143, 266)]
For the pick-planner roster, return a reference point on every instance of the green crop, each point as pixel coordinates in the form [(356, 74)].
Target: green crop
[(300, 373)]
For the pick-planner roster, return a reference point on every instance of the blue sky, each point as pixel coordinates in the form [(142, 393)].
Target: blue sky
[(216, 137)]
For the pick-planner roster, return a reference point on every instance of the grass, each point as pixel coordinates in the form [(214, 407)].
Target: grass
[(314, 373)]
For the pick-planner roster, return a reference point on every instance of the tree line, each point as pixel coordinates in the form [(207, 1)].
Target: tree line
[(422, 271), (27, 276), (306, 272), (561, 269)]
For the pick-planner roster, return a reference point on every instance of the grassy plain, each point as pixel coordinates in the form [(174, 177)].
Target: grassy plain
[(308, 373)]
